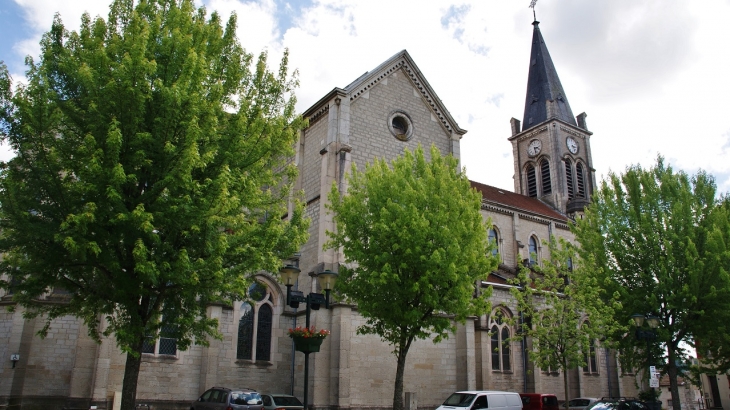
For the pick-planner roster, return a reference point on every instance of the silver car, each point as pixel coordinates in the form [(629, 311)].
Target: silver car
[(222, 398), (281, 402), (581, 403)]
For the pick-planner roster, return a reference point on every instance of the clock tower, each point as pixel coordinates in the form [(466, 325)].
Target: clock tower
[(551, 148)]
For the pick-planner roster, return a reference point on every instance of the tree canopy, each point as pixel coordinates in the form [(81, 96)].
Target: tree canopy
[(151, 176), (659, 241), (416, 246), (558, 315)]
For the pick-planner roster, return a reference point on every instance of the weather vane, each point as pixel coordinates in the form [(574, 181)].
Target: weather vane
[(532, 6)]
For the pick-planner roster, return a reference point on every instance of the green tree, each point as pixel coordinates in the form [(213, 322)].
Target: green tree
[(661, 243), (416, 247), (558, 314), (151, 174)]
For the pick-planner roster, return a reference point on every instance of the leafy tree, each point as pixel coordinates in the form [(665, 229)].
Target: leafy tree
[(661, 241), (559, 316), (416, 245), (151, 174)]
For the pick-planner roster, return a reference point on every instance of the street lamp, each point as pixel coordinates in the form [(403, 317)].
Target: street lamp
[(649, 335), (313, 301)]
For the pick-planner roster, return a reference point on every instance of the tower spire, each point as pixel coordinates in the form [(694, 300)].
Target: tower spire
[(545, 98)]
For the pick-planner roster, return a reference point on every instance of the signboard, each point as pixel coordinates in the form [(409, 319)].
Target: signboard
[(653, 382), (652, 370)]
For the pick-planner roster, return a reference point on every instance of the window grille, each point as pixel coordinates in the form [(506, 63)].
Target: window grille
[(579, 176), (531, 181), (505, 350), (591, 365), (148, 346), (168, 345), (495, 348), (569, 178), (545, 170)]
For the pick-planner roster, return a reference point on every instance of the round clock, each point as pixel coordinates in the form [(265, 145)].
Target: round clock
[(572, 145), (534, 148)]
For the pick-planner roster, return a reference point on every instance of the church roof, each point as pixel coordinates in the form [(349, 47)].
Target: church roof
[(543, 85), (362, 84), (519, 202)]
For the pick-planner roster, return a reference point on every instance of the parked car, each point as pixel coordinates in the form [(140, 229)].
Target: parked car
[(539, 401), (223, 398), (281, 402), (481, 399), (621, 403), (581, 403)]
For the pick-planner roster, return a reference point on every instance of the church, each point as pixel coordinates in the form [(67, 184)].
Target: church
[(380, 114)]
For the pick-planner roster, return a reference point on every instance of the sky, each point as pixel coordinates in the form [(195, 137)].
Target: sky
[(651, 75)]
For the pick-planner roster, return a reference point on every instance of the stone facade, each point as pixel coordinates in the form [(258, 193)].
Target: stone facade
[(348, 126)]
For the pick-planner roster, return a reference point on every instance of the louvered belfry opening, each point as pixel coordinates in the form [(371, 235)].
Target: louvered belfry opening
[(569, 178), (545, 172), (531, 181), (581, 183)]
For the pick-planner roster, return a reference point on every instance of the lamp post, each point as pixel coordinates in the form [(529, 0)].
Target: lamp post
[(313, 301), (649, 335)]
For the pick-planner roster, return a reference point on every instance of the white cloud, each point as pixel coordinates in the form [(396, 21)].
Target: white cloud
[(651, 75)]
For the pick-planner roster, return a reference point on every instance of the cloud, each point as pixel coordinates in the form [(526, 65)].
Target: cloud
[(626, 47)]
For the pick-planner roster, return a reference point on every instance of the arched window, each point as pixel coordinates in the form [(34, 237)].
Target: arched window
[(591, 362), (569, 178), (533, 250), (545, 177), (255, 325), (500, 333), (531, 181), (580, 180), (494, 241)]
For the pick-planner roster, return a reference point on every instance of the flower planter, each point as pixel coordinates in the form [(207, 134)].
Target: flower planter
[(308, 344)]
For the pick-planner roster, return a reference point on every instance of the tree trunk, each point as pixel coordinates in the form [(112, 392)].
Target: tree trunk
[(565, 385), (131, 374), (398, 391), (672, 371)]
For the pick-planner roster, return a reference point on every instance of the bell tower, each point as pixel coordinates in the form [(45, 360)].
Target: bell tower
[(551, 148)]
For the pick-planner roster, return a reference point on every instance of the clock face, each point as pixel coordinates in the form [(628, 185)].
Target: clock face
[(534, 148), (572, 145)]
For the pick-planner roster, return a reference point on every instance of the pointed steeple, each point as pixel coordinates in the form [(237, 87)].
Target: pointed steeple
[(543, 85)]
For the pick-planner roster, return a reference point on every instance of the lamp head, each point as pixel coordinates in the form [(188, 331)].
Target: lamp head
[(289, 275), (653, 321), (327, 279), (638, 319)]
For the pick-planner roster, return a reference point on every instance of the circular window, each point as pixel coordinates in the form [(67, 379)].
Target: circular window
[(400, 125), (257, 291)]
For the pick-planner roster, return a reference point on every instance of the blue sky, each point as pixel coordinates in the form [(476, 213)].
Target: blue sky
[(651, 75)]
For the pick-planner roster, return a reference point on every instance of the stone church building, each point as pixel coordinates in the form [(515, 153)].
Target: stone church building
[(387, 110)]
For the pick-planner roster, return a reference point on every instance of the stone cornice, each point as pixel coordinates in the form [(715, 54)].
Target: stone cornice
[(492, 208), (572, 132), (535, 219), (532, 133)]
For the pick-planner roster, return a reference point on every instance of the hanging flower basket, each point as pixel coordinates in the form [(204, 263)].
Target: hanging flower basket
[(308, 340)]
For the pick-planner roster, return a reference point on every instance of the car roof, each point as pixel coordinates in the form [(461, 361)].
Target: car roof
[(485, 391)]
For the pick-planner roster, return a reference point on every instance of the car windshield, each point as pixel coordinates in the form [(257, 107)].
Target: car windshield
[(578, 402), (286, 401), (459, 400), (240, 397), (604, 405)]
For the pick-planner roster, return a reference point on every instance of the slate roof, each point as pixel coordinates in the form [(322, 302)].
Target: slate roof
[(543, 84), (515, 201)]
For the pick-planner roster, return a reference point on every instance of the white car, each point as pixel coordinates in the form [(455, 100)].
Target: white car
[(581, 403), (487, 399)]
